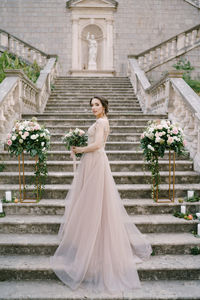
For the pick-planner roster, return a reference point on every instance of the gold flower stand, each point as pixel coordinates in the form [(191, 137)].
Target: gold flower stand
[(22, 189), (155, 187)]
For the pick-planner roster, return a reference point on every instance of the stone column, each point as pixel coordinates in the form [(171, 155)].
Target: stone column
[(75, 46), (109, 58)]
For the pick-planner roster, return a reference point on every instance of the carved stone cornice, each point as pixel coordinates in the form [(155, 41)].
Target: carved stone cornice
[(92, 3)]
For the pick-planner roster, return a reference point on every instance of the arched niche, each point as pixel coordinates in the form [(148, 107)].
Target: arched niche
[(98, 35), (96, 17)]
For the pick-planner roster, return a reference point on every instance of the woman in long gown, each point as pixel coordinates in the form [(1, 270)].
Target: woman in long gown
[(99, 246)]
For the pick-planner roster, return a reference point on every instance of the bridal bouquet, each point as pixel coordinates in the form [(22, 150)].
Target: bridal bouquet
[(159, 136), (77, 138)]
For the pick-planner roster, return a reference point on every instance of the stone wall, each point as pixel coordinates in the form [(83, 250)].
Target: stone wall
[(138, 25)]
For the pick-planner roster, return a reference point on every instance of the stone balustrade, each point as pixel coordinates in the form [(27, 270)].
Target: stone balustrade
[(170, 95), (19, 95), (174, 47), (195, 3), (22, 49)]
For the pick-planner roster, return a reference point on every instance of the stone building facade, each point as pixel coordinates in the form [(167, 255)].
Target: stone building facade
[(137, 25)]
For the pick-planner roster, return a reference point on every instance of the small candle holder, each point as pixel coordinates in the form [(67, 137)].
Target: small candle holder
[(183, 209), (190, 194), (8, 195), (1, 207), (198, 230), (198, 215)]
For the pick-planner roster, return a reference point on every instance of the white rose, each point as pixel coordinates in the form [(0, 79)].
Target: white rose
[(43, 149), (41, 134), (150, 147), (24, 136), (21, 127), (21, 141), (42, 144), (33, 137), (13, 138)]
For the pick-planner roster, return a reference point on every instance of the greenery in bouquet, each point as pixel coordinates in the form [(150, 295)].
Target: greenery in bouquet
[(159, 136), (30, 137), (77, 138)]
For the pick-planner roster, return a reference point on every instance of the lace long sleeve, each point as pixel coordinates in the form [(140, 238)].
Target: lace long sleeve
[(99, 137)]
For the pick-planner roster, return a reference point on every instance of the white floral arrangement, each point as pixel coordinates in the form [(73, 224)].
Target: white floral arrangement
[(31, 138), (28, 136), (159, 136)]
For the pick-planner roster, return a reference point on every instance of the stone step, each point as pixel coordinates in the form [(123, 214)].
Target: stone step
[(166, 267), (82, 100), (90, 94), (126, 191), (119, 137), (94, 80), (94, 89), (87, 122), (116, 166), (113, 129), (132, 206), (109, 146), (181, 177), (45, 244), (88, 109), (118, 101), (55, 290), (85, 115), (49, 224), (112, 155)]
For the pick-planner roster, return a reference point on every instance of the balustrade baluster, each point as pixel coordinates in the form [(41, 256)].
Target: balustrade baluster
[(193, 37), (173, 48)]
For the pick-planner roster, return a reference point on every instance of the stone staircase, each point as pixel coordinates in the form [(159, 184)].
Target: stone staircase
[(28, 232)]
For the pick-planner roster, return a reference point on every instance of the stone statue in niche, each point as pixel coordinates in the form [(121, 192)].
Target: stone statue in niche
[(92, 55)]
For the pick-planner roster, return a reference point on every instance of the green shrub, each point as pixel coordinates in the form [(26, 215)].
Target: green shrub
[(184, 64), (10, 61)]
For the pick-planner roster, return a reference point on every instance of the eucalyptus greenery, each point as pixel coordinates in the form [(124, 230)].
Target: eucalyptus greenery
[(11, 61)]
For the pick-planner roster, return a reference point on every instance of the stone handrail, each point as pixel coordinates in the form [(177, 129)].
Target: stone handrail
[(19, 95), (11, 43), (170, 95), (169, 49), (195, 3)]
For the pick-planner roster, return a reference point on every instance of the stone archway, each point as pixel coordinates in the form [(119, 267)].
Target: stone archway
[(97, 18)]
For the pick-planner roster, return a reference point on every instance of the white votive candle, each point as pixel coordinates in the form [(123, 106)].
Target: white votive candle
[(198, 215), (183, 209), (190, 194), (1, 207), (198, 229), (8, 196)]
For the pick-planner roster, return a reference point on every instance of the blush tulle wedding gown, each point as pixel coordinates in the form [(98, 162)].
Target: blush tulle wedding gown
[(99, 246)]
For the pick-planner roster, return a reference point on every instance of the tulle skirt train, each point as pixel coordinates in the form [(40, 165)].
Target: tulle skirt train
[(99, 246)]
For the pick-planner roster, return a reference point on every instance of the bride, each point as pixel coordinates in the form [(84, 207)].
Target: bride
[(99, 246)]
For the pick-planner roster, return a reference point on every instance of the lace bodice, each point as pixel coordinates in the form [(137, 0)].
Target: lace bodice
[(98, 132)]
